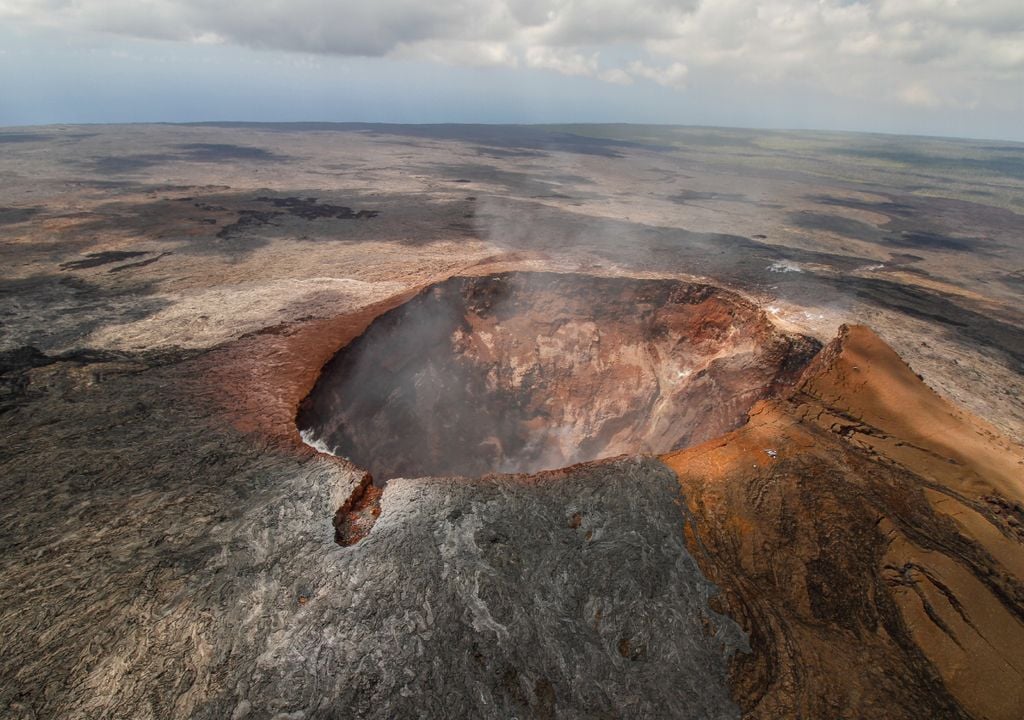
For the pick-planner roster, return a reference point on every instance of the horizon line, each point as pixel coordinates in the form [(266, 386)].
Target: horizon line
[(236, 123)]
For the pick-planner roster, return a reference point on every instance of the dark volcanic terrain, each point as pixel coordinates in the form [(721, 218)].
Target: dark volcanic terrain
[(755, 528)]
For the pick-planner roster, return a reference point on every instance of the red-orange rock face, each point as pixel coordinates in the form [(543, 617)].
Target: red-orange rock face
[(522, 372), (875, 556)]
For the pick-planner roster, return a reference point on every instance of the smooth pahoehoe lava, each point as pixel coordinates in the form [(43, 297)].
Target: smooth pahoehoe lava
[(523, 372)]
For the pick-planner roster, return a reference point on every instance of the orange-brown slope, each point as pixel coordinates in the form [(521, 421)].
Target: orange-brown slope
[(262, 377), (877, 559)]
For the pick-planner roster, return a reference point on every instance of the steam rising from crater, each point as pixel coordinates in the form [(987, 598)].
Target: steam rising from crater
[(522, 372)]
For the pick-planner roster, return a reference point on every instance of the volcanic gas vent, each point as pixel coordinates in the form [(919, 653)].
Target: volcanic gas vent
[(521, 372)]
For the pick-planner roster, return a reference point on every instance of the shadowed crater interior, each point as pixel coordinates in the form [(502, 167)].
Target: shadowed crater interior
[(521, 372)]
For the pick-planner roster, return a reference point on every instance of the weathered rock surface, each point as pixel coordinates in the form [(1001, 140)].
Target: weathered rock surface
[(570, 595)]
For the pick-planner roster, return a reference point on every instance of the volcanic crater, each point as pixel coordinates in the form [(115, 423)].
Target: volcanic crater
[(522, 372)]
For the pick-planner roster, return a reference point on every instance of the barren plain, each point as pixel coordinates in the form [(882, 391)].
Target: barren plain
[(674, 422)]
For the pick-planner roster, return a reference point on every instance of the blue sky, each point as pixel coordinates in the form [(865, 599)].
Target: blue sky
[(906, 66)]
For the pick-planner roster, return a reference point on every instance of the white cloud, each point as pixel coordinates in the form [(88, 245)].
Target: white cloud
[(602, 22), (673, 76), (924, 53), (561, 60), (920, 96), (467, 53), (616, 76)]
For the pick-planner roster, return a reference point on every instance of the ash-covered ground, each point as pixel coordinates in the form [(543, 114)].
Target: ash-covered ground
[(170, 293)]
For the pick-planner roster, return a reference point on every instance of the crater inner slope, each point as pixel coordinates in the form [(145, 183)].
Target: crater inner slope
[(523, 372)]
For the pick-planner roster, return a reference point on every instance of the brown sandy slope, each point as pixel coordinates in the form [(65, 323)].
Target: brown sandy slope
[(877, 560)]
